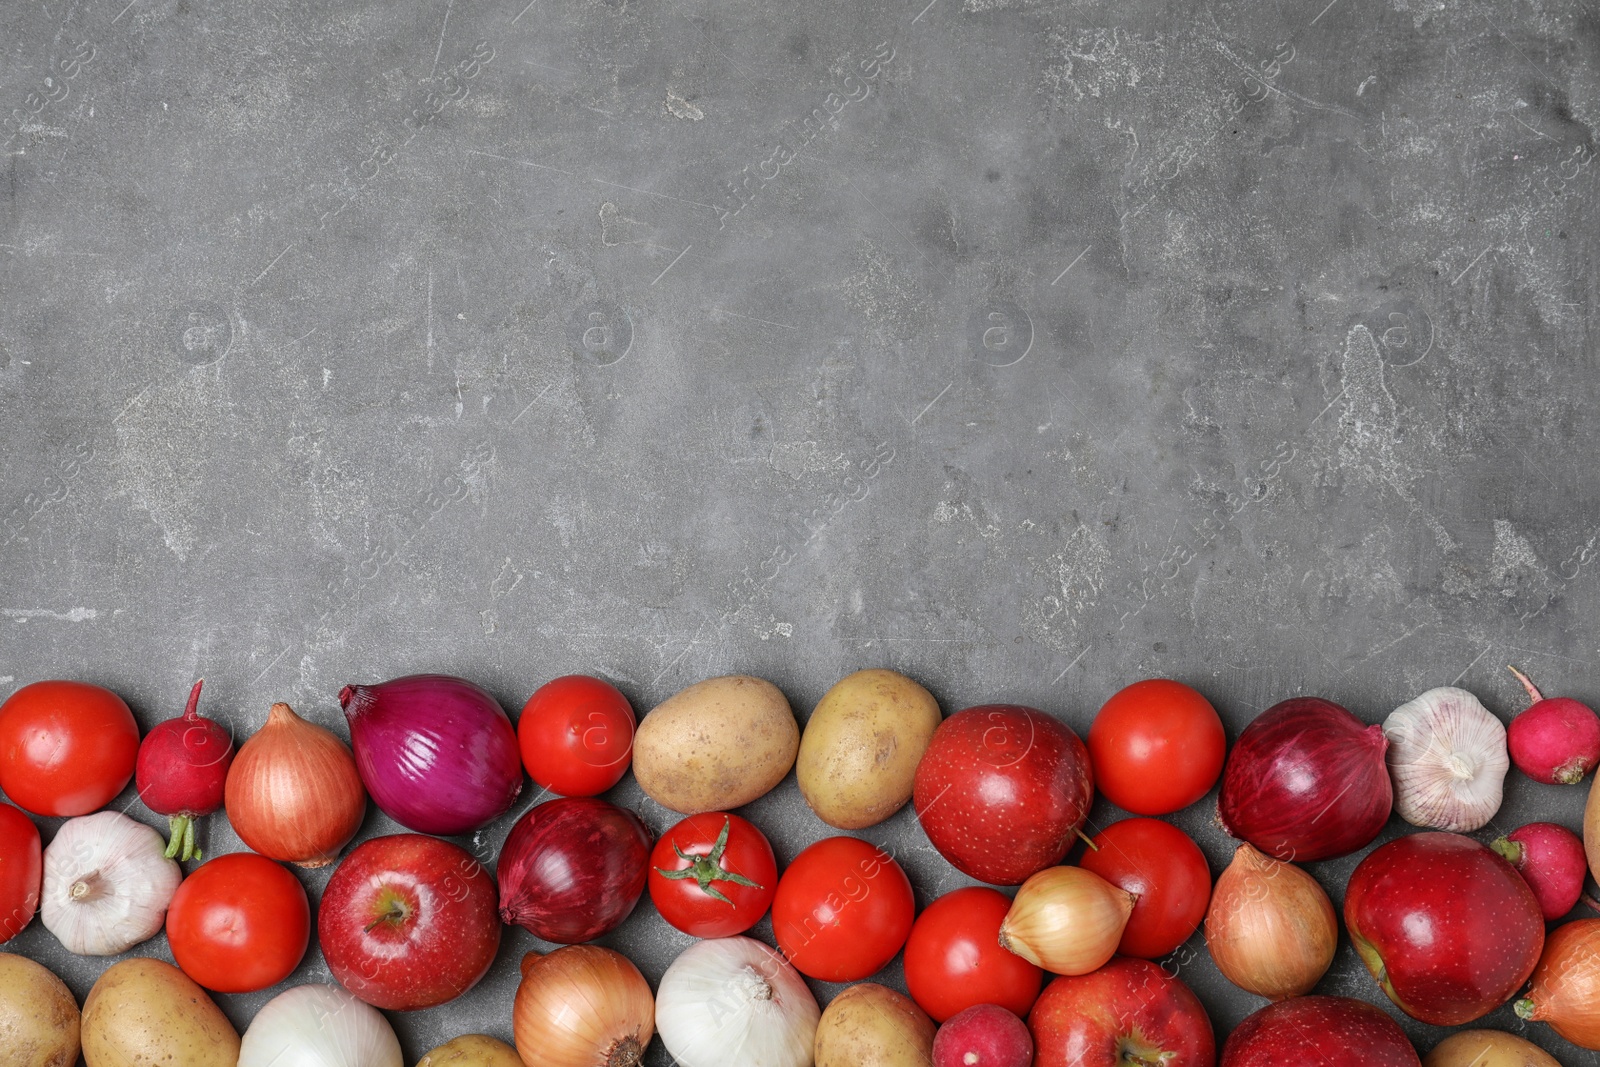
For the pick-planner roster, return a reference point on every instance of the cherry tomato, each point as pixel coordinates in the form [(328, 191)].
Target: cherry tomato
[(1158, 863), (1156, 746), (576, 735), (21, 870), (713, 875), (843, 909), (954, 959), (239, 923), (66, 748)]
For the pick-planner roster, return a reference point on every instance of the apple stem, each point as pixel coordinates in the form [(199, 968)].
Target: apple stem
[(393, 913), (1088, 842)]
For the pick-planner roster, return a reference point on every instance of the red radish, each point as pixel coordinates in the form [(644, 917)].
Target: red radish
[(182, 769), (1551, 858), (984, 1035), (1556, 741)]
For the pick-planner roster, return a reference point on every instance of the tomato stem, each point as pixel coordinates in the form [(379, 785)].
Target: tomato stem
[(707, 868)]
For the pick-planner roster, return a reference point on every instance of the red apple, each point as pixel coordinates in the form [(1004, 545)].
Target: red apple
[(1002, 791), (1448, 928), (409, 922), (1314, 1030), (1129, 1011)]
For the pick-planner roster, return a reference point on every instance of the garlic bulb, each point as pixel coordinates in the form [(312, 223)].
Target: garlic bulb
[(1447, 756), (319, 1026), (734, 1002), (107, 884)]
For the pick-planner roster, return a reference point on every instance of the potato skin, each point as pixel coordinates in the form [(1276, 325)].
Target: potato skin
[(143, 1011), (861, 747), (1487, 1048), (869, 1025), (472, 1050), (715, 746), (38, 1017)]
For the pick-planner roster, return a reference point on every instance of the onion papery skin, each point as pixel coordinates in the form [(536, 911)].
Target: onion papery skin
[(734, 993), (1271, 929), (319, 1026), (582, 1006), (1307, 781), (1565, 988), (573, 868), (437, 753), (293, 793)]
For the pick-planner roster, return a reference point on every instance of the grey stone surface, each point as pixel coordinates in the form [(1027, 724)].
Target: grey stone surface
[(1029, 348)]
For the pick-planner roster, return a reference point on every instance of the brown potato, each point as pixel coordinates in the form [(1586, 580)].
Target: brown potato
[(472, 1050), (143, 1012), (870, 1026), (862, 745), (1487, 1048), (718, 744), (38, 1017)]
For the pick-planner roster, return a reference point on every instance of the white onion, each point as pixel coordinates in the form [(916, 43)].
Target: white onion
[(319, 1026), (1447, 756), (734, 1002), (107, 884)]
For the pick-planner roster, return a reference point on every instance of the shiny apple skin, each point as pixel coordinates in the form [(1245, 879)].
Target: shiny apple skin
[(409, 922), (1002, 791), (1448, 928), (1128, 1012), (1317, 1030)]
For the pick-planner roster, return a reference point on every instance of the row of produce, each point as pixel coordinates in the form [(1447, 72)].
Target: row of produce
[(1449, 927)]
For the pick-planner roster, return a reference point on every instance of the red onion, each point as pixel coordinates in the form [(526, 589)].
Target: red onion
[(573, 868), (437, 753), (1306, 781)]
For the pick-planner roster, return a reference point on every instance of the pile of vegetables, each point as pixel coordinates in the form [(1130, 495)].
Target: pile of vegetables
[(1074, 965)]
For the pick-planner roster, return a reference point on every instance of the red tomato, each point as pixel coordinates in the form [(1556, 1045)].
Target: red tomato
[(1159, 864), (66, 748), (239, 923), (713, 875), (954, 959), (21, 870), (576, 735), (1156, 746), (843, 909)]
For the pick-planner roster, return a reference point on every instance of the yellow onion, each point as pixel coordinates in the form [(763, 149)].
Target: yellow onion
[(1066, 920), (293, 792), (582, 1006), (1271, 929), (1564, 990)]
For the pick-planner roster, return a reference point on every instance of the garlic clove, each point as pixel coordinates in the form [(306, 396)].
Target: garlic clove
[(107, 884), (1447, 756)]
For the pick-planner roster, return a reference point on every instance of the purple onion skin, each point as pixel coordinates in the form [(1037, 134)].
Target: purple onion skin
[(438, 754), (573, 868), (1307, 781)]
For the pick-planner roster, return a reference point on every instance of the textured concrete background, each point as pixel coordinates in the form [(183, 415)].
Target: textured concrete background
[(1247, 343)]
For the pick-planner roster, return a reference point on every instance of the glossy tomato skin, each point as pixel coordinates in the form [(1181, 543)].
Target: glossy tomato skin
[(1161, 866), (239, 923), (1002, 791), (1157, 746), (954, 959), (747, 853), (576, 735), (66, 748), (842, 910), (21, 871)]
